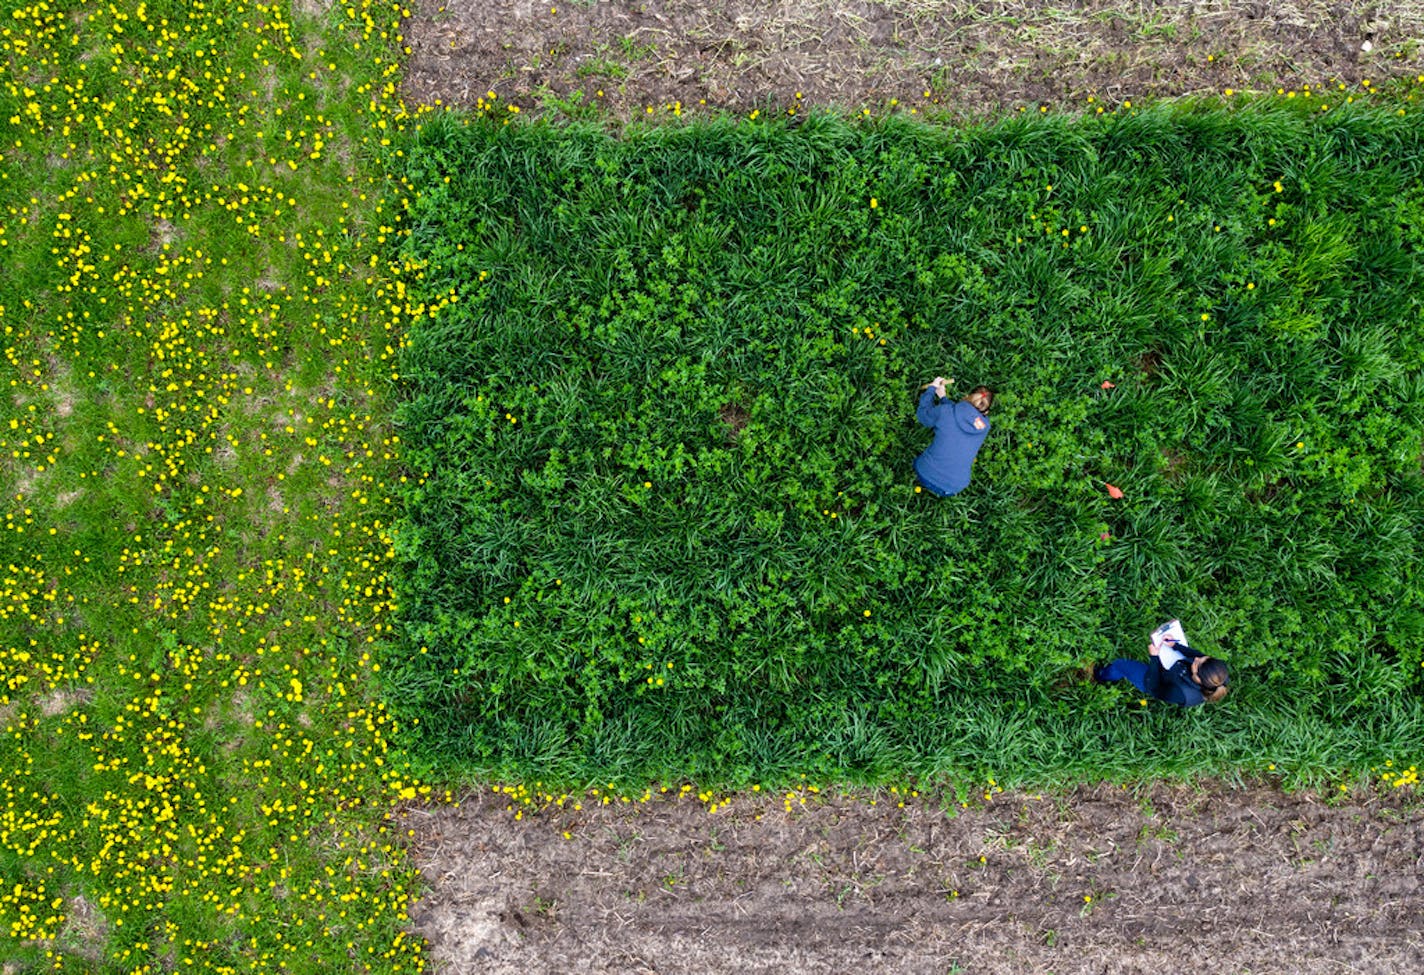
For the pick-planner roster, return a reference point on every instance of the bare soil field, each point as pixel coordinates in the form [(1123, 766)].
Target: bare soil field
[(1096, 880), (968, 58)]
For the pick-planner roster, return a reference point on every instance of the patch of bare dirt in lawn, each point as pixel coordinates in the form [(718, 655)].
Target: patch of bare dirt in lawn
[(1101, 880), (972, 58)]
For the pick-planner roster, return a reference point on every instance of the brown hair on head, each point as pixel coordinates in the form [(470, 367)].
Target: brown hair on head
[(988, 396), (1212, 674)]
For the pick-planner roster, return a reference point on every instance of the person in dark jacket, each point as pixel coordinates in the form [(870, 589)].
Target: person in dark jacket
[(1176, 674), (960, 427)]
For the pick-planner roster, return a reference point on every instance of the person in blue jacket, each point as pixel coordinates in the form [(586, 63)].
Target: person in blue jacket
[(1177, 674), (960, 427)]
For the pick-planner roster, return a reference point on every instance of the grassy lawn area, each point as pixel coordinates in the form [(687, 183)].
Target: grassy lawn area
[(197, 462)]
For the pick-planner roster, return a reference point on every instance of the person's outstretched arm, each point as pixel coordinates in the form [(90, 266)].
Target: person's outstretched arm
[(928, 410), (1155, 671)]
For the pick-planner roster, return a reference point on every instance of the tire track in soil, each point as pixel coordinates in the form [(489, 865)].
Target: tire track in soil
[(1239, 880)]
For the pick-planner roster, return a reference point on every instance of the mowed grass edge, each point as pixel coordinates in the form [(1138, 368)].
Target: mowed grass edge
[(199, 321)]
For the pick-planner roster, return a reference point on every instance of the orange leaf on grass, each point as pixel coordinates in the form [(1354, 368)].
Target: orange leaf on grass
[(1108, 385), (1113, 492)]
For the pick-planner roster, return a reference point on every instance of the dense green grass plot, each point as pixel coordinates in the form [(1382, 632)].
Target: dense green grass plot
[(668, 527)]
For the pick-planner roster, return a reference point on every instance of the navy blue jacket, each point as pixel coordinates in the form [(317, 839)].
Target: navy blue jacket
[(959, 430), (1175, 684)]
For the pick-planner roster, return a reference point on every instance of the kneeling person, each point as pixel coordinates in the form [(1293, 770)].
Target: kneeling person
[(1176, 674)]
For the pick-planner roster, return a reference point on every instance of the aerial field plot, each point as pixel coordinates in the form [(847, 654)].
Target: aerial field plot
[(457, 513), (667, 524)]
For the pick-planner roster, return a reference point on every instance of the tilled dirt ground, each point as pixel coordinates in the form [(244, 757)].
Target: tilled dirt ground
[(971, 58), (1098, 880)]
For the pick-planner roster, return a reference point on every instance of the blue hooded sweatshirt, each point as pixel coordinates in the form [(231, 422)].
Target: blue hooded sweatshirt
[(959, 430), (1174, 683)]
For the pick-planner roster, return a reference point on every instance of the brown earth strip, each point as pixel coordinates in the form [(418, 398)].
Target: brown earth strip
[(1101, 880), (973, 58)]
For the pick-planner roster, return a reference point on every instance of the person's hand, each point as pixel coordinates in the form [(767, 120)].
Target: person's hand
[(1151, 648)]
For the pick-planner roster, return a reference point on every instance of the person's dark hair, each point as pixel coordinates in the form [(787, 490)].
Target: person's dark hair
[(1212, 674), (988, 396)]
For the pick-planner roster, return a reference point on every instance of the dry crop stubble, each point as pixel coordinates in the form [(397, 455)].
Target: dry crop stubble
[(1086, 881), (972, 59)]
